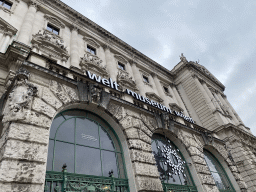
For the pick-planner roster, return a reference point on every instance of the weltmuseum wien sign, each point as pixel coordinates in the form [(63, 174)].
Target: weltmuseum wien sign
[(112, 84)]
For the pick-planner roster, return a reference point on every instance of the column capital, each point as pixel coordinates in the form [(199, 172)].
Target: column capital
[(202, 81), (74, 28), (107, 44), (195, 76), (8, 33), (172, 85), (33, 3)]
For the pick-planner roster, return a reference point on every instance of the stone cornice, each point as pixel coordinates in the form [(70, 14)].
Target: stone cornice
[(81, 21), (196, 71), (7, 26)]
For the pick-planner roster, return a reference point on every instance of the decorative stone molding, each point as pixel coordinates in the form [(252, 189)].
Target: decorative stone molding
[(54, 21), (93, 63), (50, 45), (175, 107), (91, 42), (154, 97), (125, 81)]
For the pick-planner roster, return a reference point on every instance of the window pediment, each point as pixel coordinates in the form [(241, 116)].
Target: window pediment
[(121, 59), (175, 107), (55, 21), (125, 81), (154, 97), (5, 26), (91, 42)]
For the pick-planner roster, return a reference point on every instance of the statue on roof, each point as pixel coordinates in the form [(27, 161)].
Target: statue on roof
[(183, 58)]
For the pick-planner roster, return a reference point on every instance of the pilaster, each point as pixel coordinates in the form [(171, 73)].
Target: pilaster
[(27, 25)]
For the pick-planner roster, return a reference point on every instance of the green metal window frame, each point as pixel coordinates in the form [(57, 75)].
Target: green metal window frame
[(220, 171), (62, 181), (176, 187)]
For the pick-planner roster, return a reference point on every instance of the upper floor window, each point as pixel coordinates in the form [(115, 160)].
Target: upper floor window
[(172, 168), (6, 4), (53, 29), (91, 50), (145, 79), (219, 175), (121, 66), (166, 90)]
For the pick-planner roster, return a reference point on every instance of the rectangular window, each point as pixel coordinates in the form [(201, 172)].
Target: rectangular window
[(145, 79), (121, 66), (53, 29), (6, 4), (91, 50), (166, 90)]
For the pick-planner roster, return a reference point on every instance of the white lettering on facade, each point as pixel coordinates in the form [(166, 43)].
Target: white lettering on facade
[(114, 85)]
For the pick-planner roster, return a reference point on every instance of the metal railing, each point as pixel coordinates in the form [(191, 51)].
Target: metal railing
[(70, 182), (178, 188)]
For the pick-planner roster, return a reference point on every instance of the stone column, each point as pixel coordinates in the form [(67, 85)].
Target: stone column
[(74, 56), (27, 25), (6, 41), (110, 63), (138, 79), (180, 102), (160, 90), (1, 37)]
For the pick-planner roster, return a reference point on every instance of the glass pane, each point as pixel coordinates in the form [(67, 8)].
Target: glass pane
[(218, 181), (64, 153), (66, 131), (49, 28), (209, 162), (7, 5), (50, 155), (73, 113), (109, 163), (55, 32), (55, 124), (105, 140), (88, 161), (87, 132), (120, 165)]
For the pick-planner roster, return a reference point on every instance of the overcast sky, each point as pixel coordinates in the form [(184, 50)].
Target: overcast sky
[(221, 34)]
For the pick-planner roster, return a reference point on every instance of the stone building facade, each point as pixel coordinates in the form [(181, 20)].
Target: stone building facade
[(153, 125)]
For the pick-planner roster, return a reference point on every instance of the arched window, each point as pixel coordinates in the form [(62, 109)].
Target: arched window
[(86, 144), (219, 175), (172, 168)]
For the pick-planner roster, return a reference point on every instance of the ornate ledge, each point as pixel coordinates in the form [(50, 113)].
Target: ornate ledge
[(154, 97), (125, 81), (49, 44), (93, 63)]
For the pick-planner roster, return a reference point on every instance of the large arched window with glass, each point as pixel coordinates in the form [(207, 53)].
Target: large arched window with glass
[(171, 165), (219, 175), (89, 150)]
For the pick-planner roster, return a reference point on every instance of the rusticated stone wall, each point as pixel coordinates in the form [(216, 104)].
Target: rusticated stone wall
[(24, 139)]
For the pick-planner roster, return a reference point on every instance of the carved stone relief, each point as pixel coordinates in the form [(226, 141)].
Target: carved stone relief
[(125, 81), (92, 63), (19, 98), (50, 44)]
